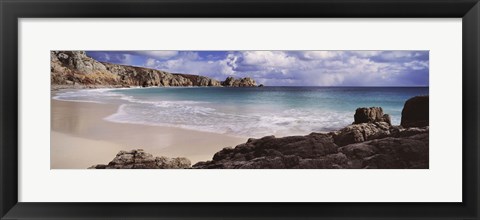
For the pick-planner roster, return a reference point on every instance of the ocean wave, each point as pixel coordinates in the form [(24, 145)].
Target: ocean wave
[(159, 103), (90, 95), (111, 95), (200, 118)]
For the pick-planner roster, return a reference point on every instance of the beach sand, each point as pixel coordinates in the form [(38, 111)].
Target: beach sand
[(81, 138)]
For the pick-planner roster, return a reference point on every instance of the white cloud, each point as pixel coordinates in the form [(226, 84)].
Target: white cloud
[(312, 68), (366, 53), (396, 55), (190, 62), (417, 65), (315, 55), (267, 59), (158, 54)]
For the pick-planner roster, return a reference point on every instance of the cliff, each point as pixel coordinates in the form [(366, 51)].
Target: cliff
[(370, 142), (74, 69)]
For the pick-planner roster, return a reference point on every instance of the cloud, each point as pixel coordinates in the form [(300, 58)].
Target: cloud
[(156, 54), (150, 62), (400, 56), (266, 59), (416, 65), (315, 55), (192, 63), (296, 68)]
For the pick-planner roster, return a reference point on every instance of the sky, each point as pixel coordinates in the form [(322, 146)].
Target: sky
[(287, 68)]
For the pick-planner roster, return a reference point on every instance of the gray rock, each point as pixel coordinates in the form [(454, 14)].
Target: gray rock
[(361, 132), (370, 115)]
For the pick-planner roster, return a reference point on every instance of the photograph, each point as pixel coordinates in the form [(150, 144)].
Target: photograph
[(239, 109)]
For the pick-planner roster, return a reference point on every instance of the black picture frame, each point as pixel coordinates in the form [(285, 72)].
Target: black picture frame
[(12, 10)]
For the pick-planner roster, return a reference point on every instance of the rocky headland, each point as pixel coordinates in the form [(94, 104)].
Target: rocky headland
[(74, 69), (369, 142)]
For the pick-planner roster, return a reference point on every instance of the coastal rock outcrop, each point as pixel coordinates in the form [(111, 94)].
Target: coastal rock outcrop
[(415, 112), (138, 159), (199, 80), (370, 115), (242, 82), (361, 132), (389, 153), (74, 69), (319, 151)]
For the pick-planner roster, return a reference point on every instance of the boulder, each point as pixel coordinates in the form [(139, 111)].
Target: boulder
[(370, 115), (272, 153), (415, 112), (138, 159), (389, 152), (361, 132)]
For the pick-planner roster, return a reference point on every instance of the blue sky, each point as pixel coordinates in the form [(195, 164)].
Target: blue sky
[(287, 68)]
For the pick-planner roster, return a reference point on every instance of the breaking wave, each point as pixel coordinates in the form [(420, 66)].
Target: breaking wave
[(239, 113)]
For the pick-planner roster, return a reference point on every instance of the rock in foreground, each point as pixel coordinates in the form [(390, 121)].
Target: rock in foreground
[(138, 159), (389, 148), (370, 115), (415, 112)]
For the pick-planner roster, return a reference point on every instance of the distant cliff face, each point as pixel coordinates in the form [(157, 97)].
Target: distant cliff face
[(75, 68)]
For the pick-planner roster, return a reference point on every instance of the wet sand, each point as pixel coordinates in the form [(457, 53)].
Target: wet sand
[(81, 138)]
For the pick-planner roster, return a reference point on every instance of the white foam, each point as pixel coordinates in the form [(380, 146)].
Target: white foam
[(208, 117), (90, 95), (190, 116)]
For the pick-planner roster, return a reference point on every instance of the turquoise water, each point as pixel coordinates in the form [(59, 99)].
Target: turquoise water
[(247, 112)]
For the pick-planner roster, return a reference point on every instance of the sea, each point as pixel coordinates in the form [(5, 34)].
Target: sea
[(247, 112)]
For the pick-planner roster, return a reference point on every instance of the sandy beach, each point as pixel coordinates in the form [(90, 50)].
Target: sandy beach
[(80, 137)]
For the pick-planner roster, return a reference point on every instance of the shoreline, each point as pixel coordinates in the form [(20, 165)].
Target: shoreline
[(81, 137)]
